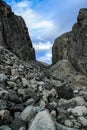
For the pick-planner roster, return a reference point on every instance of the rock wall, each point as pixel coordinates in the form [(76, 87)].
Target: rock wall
[(73, 45), (60, 48), (14, 33), (78, 42)]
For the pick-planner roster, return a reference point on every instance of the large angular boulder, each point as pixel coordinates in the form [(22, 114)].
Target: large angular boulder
[(14, 33), (42, 121), (64, 71)]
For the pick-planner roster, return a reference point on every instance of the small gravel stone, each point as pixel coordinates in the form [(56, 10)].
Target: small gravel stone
[(68, 123)]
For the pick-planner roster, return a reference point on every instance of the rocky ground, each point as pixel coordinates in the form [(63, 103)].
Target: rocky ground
[(33, 97)]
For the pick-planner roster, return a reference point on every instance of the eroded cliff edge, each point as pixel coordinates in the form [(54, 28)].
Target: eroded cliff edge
[(14, 33), (73, 45)]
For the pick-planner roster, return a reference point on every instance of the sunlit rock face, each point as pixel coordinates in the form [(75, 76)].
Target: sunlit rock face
[(14, 33), (73, 45), (60, 48)]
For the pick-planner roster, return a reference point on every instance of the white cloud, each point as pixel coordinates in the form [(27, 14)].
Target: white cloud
[(43, 24), (22, 4), (46, 58), (37, 25), (41, 39), (42, 46), (49, 55)]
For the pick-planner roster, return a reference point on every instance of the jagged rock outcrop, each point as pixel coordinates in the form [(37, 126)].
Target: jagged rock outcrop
[(73, 45), (14, 33)]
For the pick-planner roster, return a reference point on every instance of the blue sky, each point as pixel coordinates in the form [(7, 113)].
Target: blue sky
[(46, 20)]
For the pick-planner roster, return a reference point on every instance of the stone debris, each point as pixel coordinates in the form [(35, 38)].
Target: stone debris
[(25, 100)]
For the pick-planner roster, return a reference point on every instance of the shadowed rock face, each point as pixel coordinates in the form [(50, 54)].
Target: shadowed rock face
[(73, 45), (14, 33)]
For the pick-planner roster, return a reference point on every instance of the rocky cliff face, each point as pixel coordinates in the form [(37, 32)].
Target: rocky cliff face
[(73, 45), (78, 42), (60, 48), (14, 33)]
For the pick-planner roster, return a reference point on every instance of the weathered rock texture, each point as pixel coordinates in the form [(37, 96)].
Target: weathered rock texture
[(31, 98), (14, 33), (60, 48), (73, 45), (78, 42)]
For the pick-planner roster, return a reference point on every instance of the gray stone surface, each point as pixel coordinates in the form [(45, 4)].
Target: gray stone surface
[(68, 123), (78, 42), (60, 48), (73, 45), (79, 111), (62, 127), (28, 113), (42, 121), (14, 33), (3, 77), (83, 121), (5, 127)]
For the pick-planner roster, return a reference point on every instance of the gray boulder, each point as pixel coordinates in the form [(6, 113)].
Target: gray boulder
[(14, 33), (42, 121), (64, 71), (3, 77), (78, 111), (62, 127), (28, 113), (65, 92), (5, 127)]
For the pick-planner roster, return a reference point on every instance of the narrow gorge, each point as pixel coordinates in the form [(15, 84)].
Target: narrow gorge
[(34, 96)]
